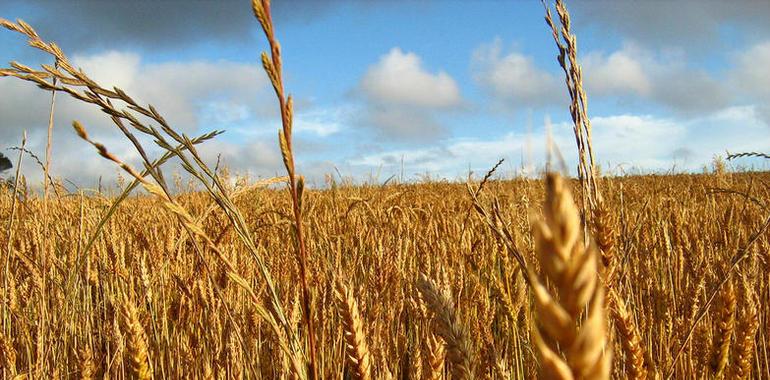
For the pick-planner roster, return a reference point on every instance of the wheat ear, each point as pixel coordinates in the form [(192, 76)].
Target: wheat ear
[(459, 350), (571, 331), (86, 365), (632, 341), (747, 330), (7, 356), (726, 327), (137, 342), (355, 340), (434, 352), (604, 232)]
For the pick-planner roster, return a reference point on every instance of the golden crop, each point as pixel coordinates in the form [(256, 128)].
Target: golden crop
[(623, 277)]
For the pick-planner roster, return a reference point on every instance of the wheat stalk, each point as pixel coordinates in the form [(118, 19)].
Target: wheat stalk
[(566, 43), (273, 68)]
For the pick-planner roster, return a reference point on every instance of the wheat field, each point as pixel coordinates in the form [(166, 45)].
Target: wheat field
[(593, 277)]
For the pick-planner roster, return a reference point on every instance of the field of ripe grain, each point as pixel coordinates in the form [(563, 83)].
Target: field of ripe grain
[(145, 299), (589, 278)]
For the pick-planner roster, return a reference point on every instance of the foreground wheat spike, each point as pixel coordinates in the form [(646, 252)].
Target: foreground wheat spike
[(571, 331), (137, 342), (7, 356), (86, 364), (434, 353), (726, 325), (744, 338), (604, 232), (355, 340), (632, 342), (459, 350)]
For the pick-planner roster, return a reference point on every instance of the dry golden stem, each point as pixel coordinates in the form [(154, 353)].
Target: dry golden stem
[(273, 68), (566, 42)]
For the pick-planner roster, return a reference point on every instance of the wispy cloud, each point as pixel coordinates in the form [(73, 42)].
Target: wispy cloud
[(621, 142)]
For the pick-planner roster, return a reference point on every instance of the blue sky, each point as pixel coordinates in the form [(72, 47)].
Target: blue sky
[(433, 87)]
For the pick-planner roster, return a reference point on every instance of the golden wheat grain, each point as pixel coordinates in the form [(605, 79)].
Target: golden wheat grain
[(726, 326), (744, 341), (355, 339), (449, 327), (629, 337), (571, 329), (86, 364), (434, 354), (139, 356)]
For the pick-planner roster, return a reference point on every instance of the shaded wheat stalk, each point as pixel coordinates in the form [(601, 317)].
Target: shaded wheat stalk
[(273, 68)]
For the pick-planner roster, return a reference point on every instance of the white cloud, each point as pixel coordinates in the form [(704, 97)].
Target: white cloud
[(515, 77), (400, 79), (631, 74), (749, 78), (404, 123), (621, 142), (401, 98), (322, 122), (751, 70), (453, 158), (634, 73), (619, 73), (188, 94), (255, 157), (193, 96), (112, 68)]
